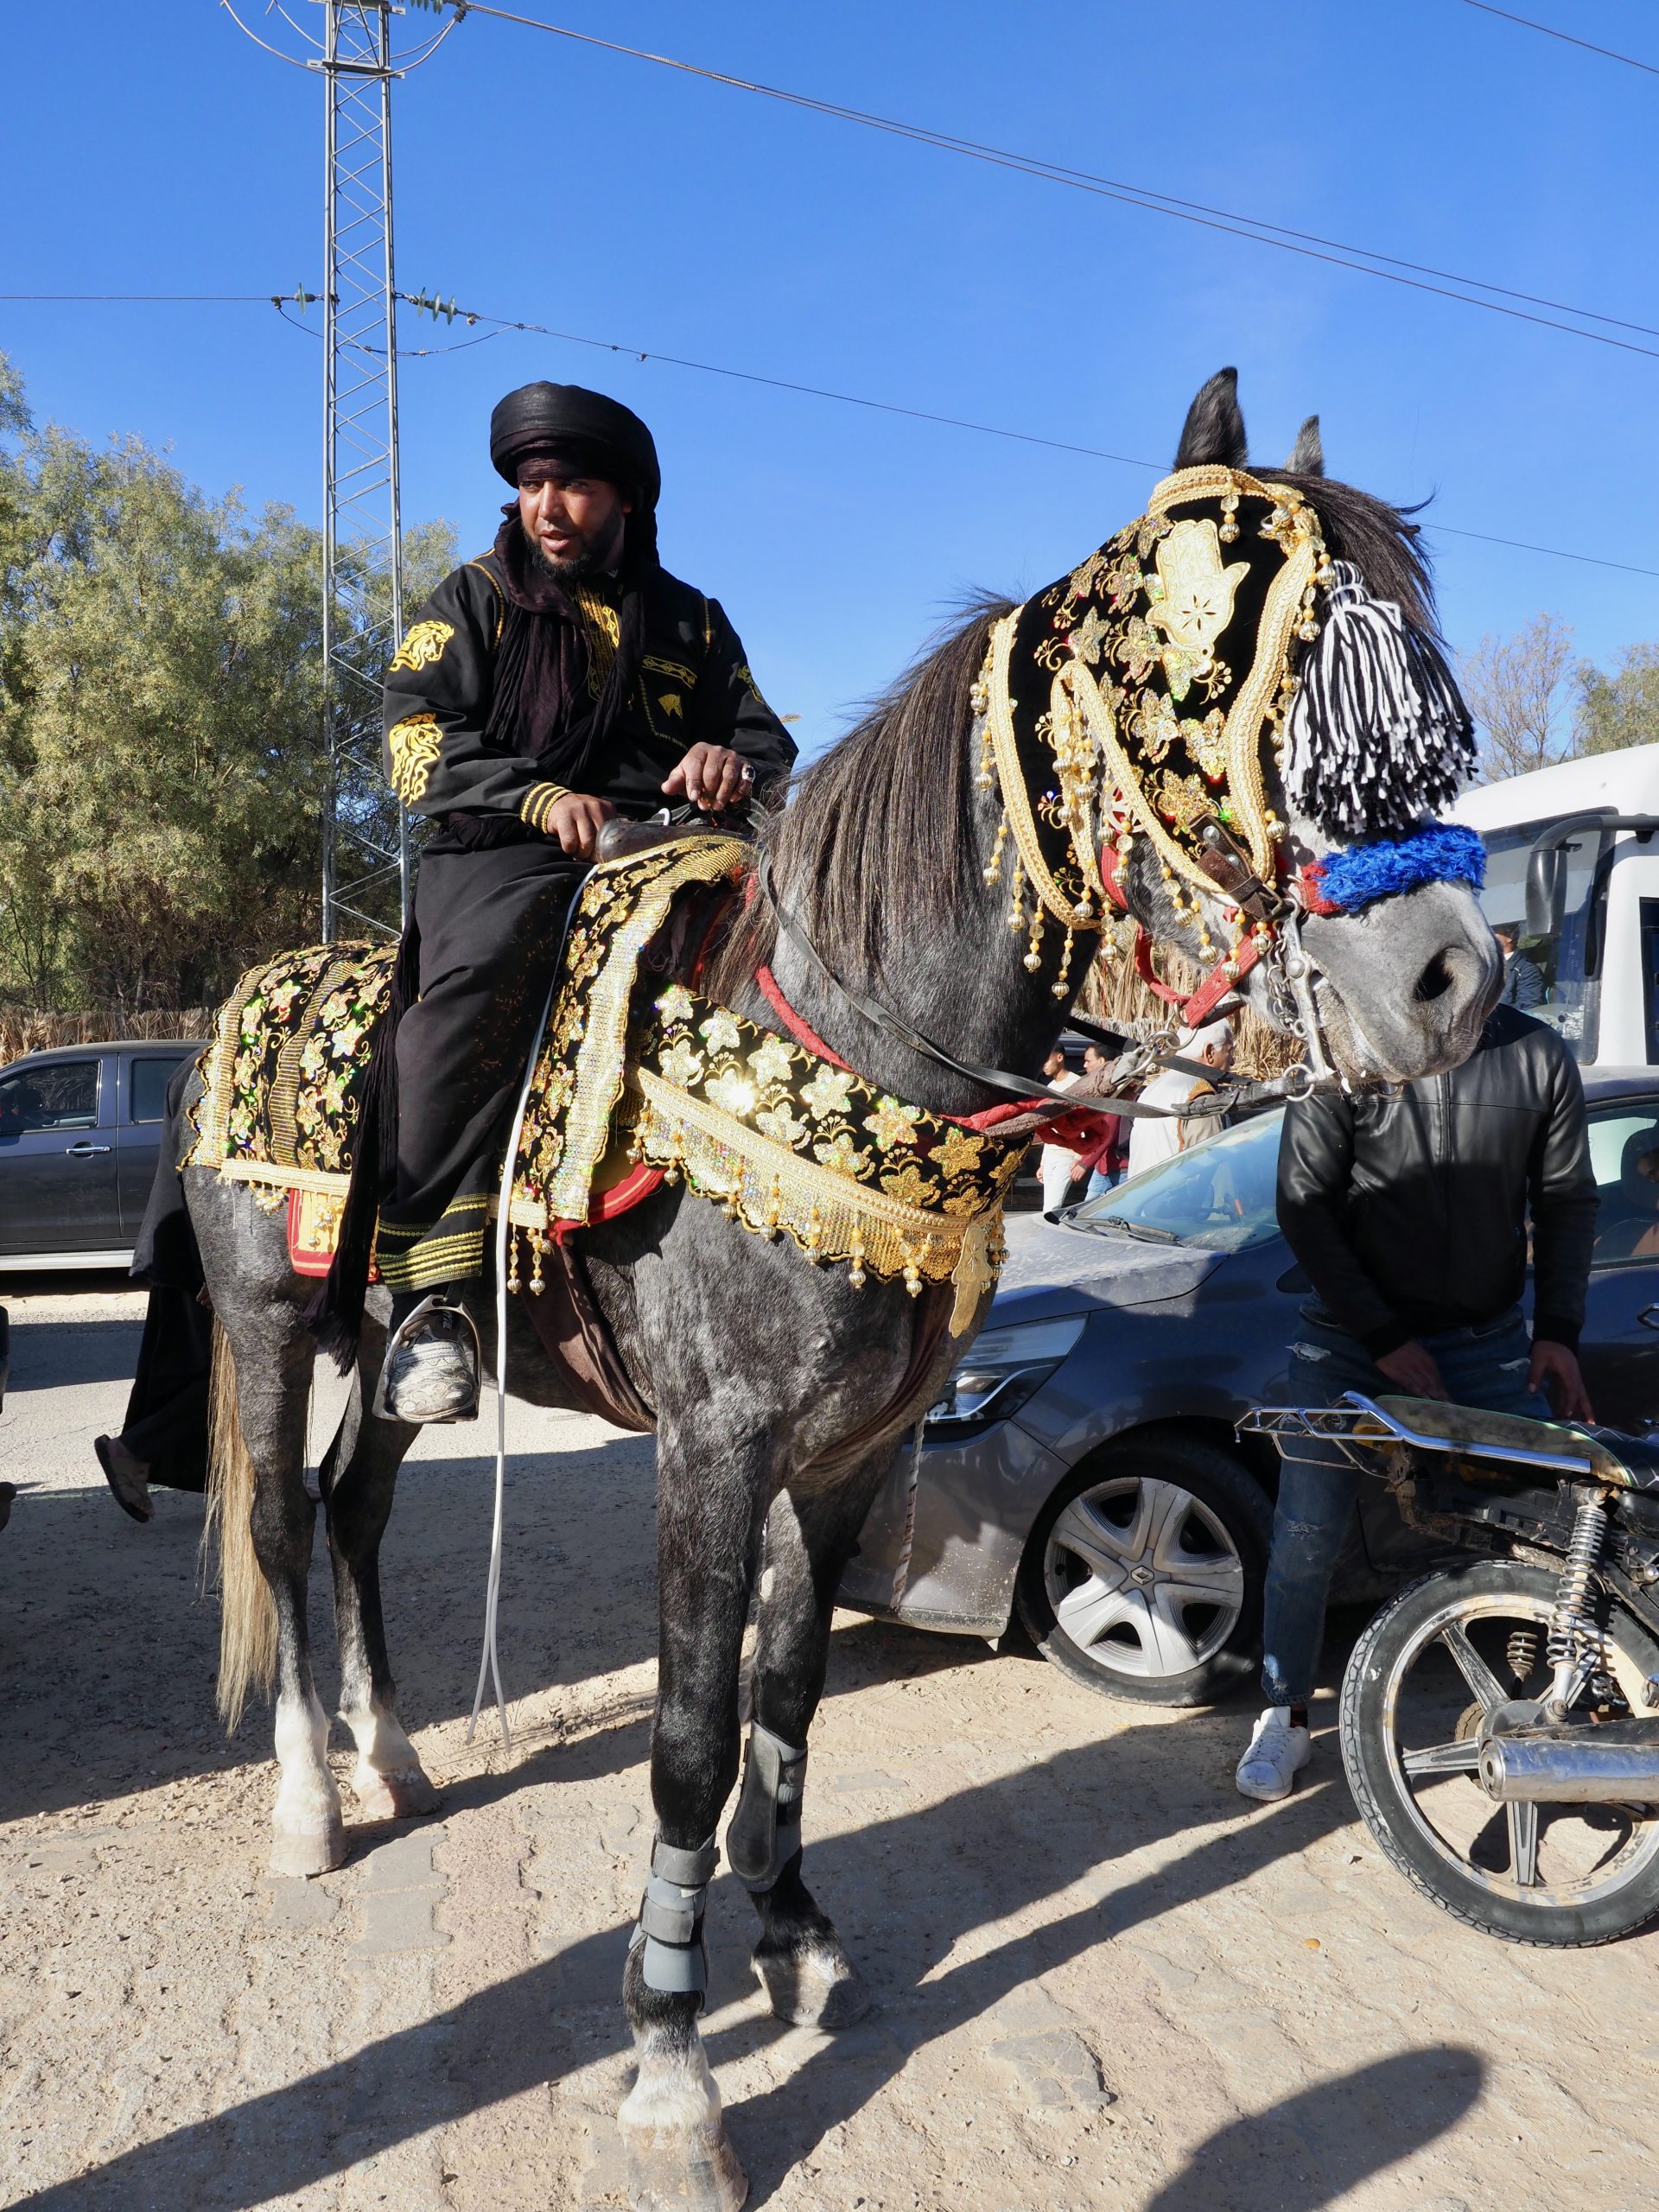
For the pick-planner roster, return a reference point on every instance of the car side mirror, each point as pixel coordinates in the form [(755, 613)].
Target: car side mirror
[(1545, 892)]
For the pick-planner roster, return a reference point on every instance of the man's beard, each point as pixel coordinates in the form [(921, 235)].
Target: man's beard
[(591, 561)]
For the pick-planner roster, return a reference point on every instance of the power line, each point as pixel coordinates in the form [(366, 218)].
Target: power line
[(148, 299), (1308, 244), (1565, 37), (501, 325), (952, 421)]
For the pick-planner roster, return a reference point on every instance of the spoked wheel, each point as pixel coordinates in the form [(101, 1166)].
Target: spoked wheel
[(1430, 1674)]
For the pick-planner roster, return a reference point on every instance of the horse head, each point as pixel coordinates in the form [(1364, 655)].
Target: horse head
[(1319, 767)]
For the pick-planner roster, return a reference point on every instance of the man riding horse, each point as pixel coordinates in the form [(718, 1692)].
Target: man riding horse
[(560, 680)]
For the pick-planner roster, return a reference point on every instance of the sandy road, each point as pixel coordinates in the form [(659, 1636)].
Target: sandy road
[(1102, 1982)]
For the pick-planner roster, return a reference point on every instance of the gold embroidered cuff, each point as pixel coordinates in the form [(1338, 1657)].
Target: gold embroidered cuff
[(538, 802)]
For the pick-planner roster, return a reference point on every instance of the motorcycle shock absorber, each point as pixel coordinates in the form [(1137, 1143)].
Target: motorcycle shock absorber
[(1576, 1645)]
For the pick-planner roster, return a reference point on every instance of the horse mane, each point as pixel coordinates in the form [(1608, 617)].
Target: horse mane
[(1381, 540), (878, 842)]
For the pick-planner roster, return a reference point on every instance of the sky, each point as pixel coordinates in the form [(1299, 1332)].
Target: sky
[(158, 150)]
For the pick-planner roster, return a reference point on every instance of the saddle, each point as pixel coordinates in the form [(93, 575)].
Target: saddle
[(285, 1078)]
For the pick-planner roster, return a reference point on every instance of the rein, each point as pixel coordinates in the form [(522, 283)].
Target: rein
[(1019, 1087)]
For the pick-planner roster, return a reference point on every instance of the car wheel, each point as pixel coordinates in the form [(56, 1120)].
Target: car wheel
[(1143, 1576)]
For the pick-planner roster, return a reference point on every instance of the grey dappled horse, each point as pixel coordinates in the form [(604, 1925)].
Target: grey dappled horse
[(757, 1362)]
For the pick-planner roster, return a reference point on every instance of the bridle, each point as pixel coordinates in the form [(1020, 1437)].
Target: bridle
[(1154, 1054)]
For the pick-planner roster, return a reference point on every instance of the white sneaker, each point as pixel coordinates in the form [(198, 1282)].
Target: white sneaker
[(1277, 1754)]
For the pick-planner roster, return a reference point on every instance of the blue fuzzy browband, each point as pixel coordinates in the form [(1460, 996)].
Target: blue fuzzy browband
[(1358, 875)]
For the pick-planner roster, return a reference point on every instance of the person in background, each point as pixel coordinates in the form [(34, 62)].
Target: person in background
[(1410, 1215), (1106, 1159), (1523, 979), (1156, 1138), (1057, 1163)]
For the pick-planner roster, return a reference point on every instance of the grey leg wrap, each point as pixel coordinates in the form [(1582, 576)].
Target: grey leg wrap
[(765, 1830), (669, 1931)]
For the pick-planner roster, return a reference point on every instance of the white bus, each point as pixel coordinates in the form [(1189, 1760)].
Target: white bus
[(1592, 921)]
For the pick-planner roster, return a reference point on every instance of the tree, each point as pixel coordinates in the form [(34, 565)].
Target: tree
[(1515, 688), (1614, 711), (161, 769)]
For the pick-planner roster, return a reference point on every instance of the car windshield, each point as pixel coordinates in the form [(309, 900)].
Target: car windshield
[(1219, 1197)]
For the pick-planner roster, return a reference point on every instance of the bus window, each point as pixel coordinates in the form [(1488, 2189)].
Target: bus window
[(1570, 998), (1649, 926)]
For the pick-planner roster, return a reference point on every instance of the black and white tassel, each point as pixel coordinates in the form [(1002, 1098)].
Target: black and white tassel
[(1378, 734)]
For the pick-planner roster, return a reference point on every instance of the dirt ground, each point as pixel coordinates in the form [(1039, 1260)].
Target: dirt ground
[(1101, 1981)]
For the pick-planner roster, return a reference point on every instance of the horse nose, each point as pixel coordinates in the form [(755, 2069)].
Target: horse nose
[(1460, 980)]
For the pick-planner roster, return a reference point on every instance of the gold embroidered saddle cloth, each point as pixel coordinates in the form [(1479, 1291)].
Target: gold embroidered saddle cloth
[(285, 1075), (638, 1080)]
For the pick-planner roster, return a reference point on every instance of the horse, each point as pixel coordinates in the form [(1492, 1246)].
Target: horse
[(782, 1390)]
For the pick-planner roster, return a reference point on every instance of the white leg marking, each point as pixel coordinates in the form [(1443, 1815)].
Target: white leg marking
[(389, 1782), (309, 1834)]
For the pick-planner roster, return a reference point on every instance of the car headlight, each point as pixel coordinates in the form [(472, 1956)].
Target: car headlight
[(1001, 1370)]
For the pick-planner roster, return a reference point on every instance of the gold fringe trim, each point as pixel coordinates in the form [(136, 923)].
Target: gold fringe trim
[(830, 1217)]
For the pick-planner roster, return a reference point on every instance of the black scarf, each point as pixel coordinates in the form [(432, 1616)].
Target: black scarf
[(542, 706)]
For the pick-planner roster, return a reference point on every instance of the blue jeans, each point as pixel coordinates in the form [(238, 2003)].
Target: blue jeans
[(1100, 1182), (1485, 1367)]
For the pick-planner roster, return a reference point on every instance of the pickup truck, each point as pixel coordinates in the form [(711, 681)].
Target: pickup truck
[(81, 1131)]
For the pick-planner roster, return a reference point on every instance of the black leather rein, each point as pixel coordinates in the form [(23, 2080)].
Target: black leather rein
[(1003, 1079)]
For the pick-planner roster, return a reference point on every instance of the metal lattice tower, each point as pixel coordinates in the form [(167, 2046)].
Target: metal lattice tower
[(366, 877)]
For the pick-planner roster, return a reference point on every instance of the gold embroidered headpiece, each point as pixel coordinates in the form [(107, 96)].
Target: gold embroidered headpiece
[(1140, 696)]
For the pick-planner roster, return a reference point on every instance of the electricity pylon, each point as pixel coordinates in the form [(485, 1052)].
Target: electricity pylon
[(365, 834)]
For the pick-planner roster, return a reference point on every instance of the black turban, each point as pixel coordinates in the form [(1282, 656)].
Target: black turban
[(597, 434)]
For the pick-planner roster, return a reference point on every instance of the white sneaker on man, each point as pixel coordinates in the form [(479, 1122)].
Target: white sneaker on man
[(1277, 1755)]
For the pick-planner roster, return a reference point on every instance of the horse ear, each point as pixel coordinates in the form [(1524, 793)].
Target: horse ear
[(1214, 430), (1308, 454)]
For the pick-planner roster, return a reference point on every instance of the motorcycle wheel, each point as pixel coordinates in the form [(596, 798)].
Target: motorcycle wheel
[(1569, 1875)]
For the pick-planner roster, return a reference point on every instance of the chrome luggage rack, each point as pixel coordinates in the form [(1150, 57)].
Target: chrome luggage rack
[(1358, 1425)]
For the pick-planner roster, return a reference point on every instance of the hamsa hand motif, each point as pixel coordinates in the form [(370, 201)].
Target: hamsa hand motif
[(1195, 604)]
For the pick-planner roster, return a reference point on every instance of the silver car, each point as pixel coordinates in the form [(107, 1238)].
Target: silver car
[(1081, 1467)]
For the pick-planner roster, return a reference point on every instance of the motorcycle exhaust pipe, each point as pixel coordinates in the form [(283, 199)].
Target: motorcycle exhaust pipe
[(1615, 1764)]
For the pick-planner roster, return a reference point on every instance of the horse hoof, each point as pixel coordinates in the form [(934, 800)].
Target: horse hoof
[(818, 1986), (404, 1796), (309, 1852), (678, 2169)]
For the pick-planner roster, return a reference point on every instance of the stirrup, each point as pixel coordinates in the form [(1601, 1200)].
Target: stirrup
[(401, 1337)]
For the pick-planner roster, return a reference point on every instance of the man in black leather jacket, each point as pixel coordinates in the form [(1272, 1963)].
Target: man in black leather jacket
[(1410, 1215)]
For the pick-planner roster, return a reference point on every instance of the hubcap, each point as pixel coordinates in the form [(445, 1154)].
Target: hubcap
[(1143, 1578)]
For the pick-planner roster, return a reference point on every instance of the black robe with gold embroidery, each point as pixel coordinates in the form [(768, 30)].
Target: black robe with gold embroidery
[(491, 691), (445, 758)]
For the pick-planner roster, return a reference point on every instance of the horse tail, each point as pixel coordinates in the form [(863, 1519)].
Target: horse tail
[(247, 1630)]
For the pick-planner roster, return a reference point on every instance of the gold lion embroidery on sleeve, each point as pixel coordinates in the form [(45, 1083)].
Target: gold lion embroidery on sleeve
[(414, 745), (423, 645)]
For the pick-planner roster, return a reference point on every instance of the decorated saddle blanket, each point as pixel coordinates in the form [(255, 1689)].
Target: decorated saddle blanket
[(285, 1075), (638, 1080)]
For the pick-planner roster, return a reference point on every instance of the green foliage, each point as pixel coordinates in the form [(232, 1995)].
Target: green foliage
[(1621, 709), (161, 769), (1533, 707)]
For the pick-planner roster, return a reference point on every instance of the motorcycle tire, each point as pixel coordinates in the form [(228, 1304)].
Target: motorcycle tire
[(1619, 1894)]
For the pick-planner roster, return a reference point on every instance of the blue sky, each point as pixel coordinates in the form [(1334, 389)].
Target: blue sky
[(157, 150)]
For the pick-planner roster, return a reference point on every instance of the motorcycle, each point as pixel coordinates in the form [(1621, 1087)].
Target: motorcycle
[(1500, 1717)]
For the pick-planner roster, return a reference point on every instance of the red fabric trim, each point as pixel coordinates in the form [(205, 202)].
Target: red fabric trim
[(767, 983), (1147, 974), (1308, 886), (634, 1190), (1111, 869), (1218, 982), (988, 1118)]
